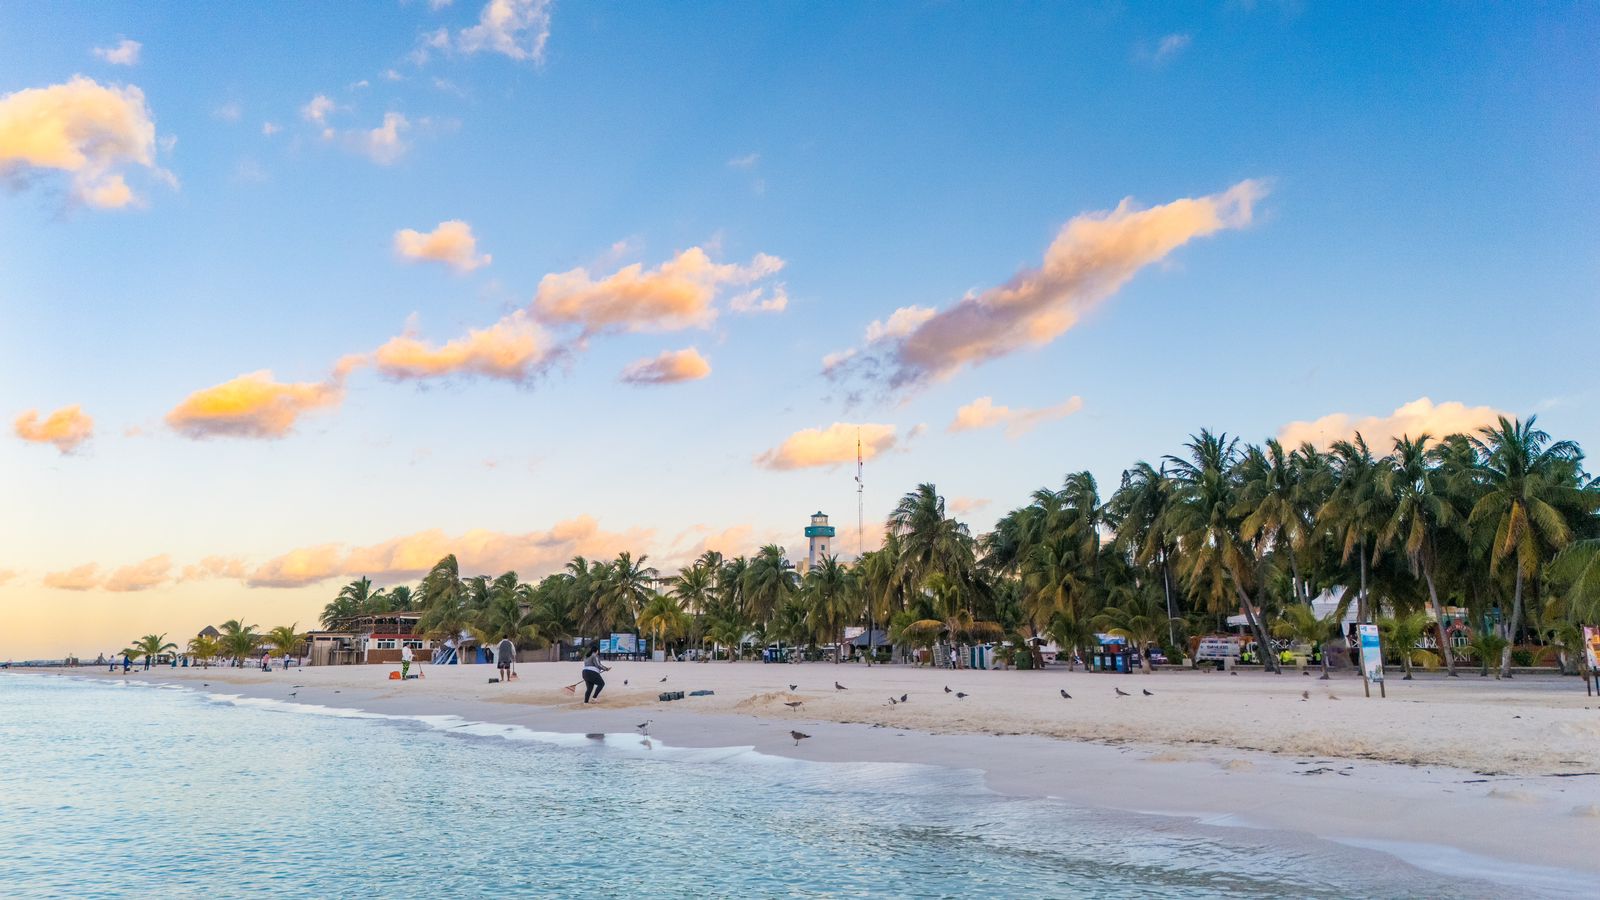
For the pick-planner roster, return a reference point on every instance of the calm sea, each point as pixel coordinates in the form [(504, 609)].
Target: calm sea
[(111, 790)]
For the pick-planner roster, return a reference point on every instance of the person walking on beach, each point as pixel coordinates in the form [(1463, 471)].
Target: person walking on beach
[(405, 660), (593, 684), (504, 653)]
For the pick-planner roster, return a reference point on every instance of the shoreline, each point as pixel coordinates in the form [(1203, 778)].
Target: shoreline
[(1527, 829)]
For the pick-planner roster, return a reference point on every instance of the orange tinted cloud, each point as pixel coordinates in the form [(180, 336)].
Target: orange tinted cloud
[(81, 578), (215, 567), (1420, 416), (251, 406), (983, 413), (826, 447), (408, 557), (6, 575), (960, 506), (139, 576), (514, 349), (92, 132), (671, 367), (680, 293), (67, 428), (306, 565), (1092, 257), (451, 243)]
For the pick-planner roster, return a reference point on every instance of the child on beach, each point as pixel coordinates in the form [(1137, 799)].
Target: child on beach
[(593, 684)]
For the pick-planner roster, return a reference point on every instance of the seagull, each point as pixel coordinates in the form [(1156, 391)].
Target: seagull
[(798, 737), (903, 697), (644, 727), (947, 689), (893, 701), (794, 687), (1120, 692), (839, 687), (663, 680), (795, 704), (292, 693), (624, 682), (960, 696), (1065, 695), (1147, 692), (1305, 695)]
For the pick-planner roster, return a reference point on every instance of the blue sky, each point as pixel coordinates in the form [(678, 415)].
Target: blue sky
[(1423, 226)]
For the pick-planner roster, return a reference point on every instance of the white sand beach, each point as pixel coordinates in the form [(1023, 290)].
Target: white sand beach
[(1468, 776)]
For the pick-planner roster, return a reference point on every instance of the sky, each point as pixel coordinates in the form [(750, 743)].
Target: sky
[(296, 293)]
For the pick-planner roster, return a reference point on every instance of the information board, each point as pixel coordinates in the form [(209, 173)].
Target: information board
[(1371, 653)]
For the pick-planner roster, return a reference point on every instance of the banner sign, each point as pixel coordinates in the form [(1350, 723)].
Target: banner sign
[(621, 643), (1217, 648), (1591, 646), (1371, 653)]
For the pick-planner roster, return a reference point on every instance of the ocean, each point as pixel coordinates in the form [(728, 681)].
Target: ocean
[(114, 790)]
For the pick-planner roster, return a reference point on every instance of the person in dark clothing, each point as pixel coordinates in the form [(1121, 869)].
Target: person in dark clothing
[(593, 684)]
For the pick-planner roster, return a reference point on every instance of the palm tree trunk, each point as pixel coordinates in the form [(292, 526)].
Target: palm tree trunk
[(1269, 660), (1172, 616), (1438, 618), (1362, 613), (1516, 624)]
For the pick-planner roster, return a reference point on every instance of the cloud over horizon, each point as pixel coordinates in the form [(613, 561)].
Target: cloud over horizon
[(92, 132), (79, 578), (670, 367), (983, 413), (512, 349), (1091, 258), (1420, 416), (67, 428), (140, 576), (826, 447)]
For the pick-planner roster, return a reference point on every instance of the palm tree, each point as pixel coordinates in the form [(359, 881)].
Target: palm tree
[(1403, 633), (1487, 646), (204, 649), (769, 580), (930, 542), (151, 646), (286, 639), (624, 589), (507, 613), (950, 614), (1270, 496), (693, 586), (1139, 616), (1525, 481), (354, 600), (1301, 624), (1420, 511), (238, 640), (1215, 557), (443, 602), (830, 593), (663, 619), (1357, 510), (1140, 510)]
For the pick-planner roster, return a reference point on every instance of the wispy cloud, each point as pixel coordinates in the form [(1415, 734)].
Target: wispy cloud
[(518, 29), (1164, 50), (122, 53), (450, 242), (80, 578), (747, 161), (680, 293), (827, 447), (67, 428), (1091, 258), (140, 576), (983, 413), (92, 132), (670, 367), (513, 349)]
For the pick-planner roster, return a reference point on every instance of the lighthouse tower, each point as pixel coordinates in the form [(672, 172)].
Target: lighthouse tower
[(820, 535)]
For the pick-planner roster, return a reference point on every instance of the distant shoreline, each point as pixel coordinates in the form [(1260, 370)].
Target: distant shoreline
[(1351, 793)]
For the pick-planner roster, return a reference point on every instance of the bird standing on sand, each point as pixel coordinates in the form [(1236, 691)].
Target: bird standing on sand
[(1147, 693), (798, 737), (1121, 692), (839, 687), (893, 701), (644, 727), (904, 697), (960, 695), (794, 687), (794, 704), (624, 682), (1304, 696), (663, 679), (947, 689), (1065, 695)]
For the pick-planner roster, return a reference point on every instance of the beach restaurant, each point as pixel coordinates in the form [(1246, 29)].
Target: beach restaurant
[(370, 639)]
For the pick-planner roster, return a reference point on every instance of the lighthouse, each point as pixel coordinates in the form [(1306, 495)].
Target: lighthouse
[(820, 534)]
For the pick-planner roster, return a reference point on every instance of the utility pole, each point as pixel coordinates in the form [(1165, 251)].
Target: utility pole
[(861, 544)]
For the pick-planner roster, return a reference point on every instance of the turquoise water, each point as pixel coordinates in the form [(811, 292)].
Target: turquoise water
[(116, 790)]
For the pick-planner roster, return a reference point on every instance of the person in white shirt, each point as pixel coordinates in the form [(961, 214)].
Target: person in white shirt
[(405, 660)]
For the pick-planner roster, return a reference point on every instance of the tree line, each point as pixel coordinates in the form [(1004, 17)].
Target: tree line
[(1504, 522)]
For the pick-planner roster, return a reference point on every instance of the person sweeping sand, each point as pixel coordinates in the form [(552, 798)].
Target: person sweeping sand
[(593, 684)]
